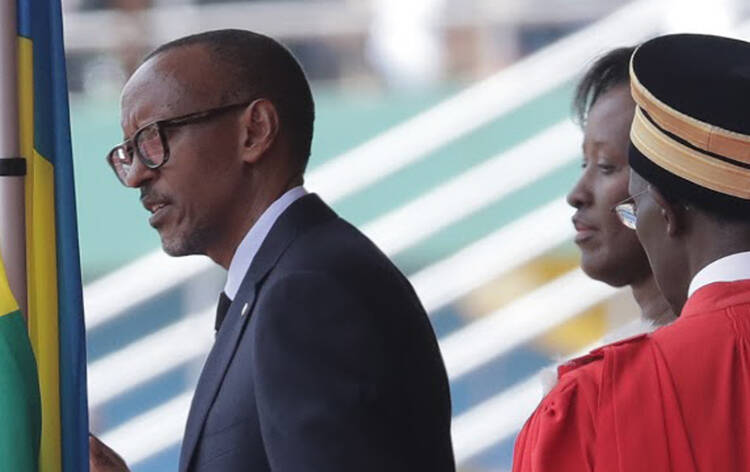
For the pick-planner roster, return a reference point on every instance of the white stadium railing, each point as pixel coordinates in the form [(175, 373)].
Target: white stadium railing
[(500, 417), (151, 432), (150, 356), (439, 284), (476, 188), (495, 419), (492, 256), (521, 321), (149, 276)]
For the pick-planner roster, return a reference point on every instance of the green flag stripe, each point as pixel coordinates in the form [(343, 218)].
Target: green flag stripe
[(20, 411)]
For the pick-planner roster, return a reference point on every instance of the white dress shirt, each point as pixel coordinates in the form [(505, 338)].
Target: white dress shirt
[(727, 269), (252, 241)]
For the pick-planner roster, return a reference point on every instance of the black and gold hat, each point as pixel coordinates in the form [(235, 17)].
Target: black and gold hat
[(690, 136)]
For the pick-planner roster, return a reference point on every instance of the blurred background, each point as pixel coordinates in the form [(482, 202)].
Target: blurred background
[(443, 131)]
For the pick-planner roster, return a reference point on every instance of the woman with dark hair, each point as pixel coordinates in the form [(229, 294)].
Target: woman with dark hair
[(610, 252)]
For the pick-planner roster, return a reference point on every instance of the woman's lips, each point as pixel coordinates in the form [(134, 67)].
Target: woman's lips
[(584, 231), (583, 235)]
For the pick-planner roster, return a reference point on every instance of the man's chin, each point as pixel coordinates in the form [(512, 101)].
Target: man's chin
[(177, 246), (170, 251)]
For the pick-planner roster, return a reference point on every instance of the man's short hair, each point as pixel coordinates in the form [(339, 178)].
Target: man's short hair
[(607, 72), (257, 66)]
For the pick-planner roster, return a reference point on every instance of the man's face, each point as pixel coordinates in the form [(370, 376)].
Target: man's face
[(190, 196), (663, 249)]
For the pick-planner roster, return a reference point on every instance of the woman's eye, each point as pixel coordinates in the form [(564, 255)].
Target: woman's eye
[(606, 168)]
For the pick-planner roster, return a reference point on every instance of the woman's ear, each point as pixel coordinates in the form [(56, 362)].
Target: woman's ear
[(260, 127)]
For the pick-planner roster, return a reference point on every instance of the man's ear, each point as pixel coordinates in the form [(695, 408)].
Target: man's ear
[(260, 126), (673, 214)]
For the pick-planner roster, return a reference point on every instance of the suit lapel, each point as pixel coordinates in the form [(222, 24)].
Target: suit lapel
[(213, 371), (302, 214)]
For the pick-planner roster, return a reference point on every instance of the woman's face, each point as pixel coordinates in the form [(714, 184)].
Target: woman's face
[(610, 252)]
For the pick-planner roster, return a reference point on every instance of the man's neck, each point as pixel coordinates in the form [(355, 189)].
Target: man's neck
[(248, 215), (716, 245), (709, 241)]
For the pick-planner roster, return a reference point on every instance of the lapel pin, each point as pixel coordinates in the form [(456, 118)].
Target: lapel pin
[(244, 310)]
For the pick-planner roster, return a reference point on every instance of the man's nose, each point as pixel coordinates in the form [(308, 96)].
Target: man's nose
[(139, 174)]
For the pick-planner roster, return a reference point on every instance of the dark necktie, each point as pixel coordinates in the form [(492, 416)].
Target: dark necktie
[(221, 309)]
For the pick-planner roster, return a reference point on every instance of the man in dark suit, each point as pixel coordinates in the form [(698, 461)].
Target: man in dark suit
[(325, 359)]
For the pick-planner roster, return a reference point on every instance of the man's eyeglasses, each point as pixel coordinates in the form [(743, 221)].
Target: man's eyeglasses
[(150, 145), (625, 210)]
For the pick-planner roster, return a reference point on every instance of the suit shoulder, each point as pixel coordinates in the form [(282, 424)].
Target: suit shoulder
[(336, 246), (335, 230)]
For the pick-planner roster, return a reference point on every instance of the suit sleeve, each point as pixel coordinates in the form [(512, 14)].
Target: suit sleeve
[(560, 435), (319, 365)]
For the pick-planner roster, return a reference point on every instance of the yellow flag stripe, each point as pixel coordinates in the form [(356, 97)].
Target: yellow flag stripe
[(41, 263), (7, 300)]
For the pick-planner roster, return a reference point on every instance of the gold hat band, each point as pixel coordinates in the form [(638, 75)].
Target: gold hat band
[(703, 135), (690, 164)]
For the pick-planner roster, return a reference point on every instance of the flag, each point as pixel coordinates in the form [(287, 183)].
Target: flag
[(20, 426), (54, 295)]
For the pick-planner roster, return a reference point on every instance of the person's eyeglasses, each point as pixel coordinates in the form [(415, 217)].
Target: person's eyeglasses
[(150, 145), (626, 212)]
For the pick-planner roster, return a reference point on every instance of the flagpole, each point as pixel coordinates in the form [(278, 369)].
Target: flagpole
[(12, 165)]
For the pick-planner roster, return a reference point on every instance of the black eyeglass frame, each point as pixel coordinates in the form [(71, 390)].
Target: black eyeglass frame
[(161, 125)]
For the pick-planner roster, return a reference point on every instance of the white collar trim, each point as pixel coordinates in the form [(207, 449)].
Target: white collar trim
[(727, 269), (252, 241)]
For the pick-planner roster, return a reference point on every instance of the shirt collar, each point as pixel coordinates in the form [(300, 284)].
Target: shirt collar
[(252, 241), (727, 269)]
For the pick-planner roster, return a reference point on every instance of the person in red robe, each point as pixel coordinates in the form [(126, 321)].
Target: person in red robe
[(677, 399)]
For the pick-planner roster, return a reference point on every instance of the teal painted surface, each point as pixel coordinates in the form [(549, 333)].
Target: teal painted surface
[(457, 156), (487, 220), (347, 119), (112, 224), (114, 228)]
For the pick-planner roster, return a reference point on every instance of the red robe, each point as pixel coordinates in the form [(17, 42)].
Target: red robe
[(675, 400)]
